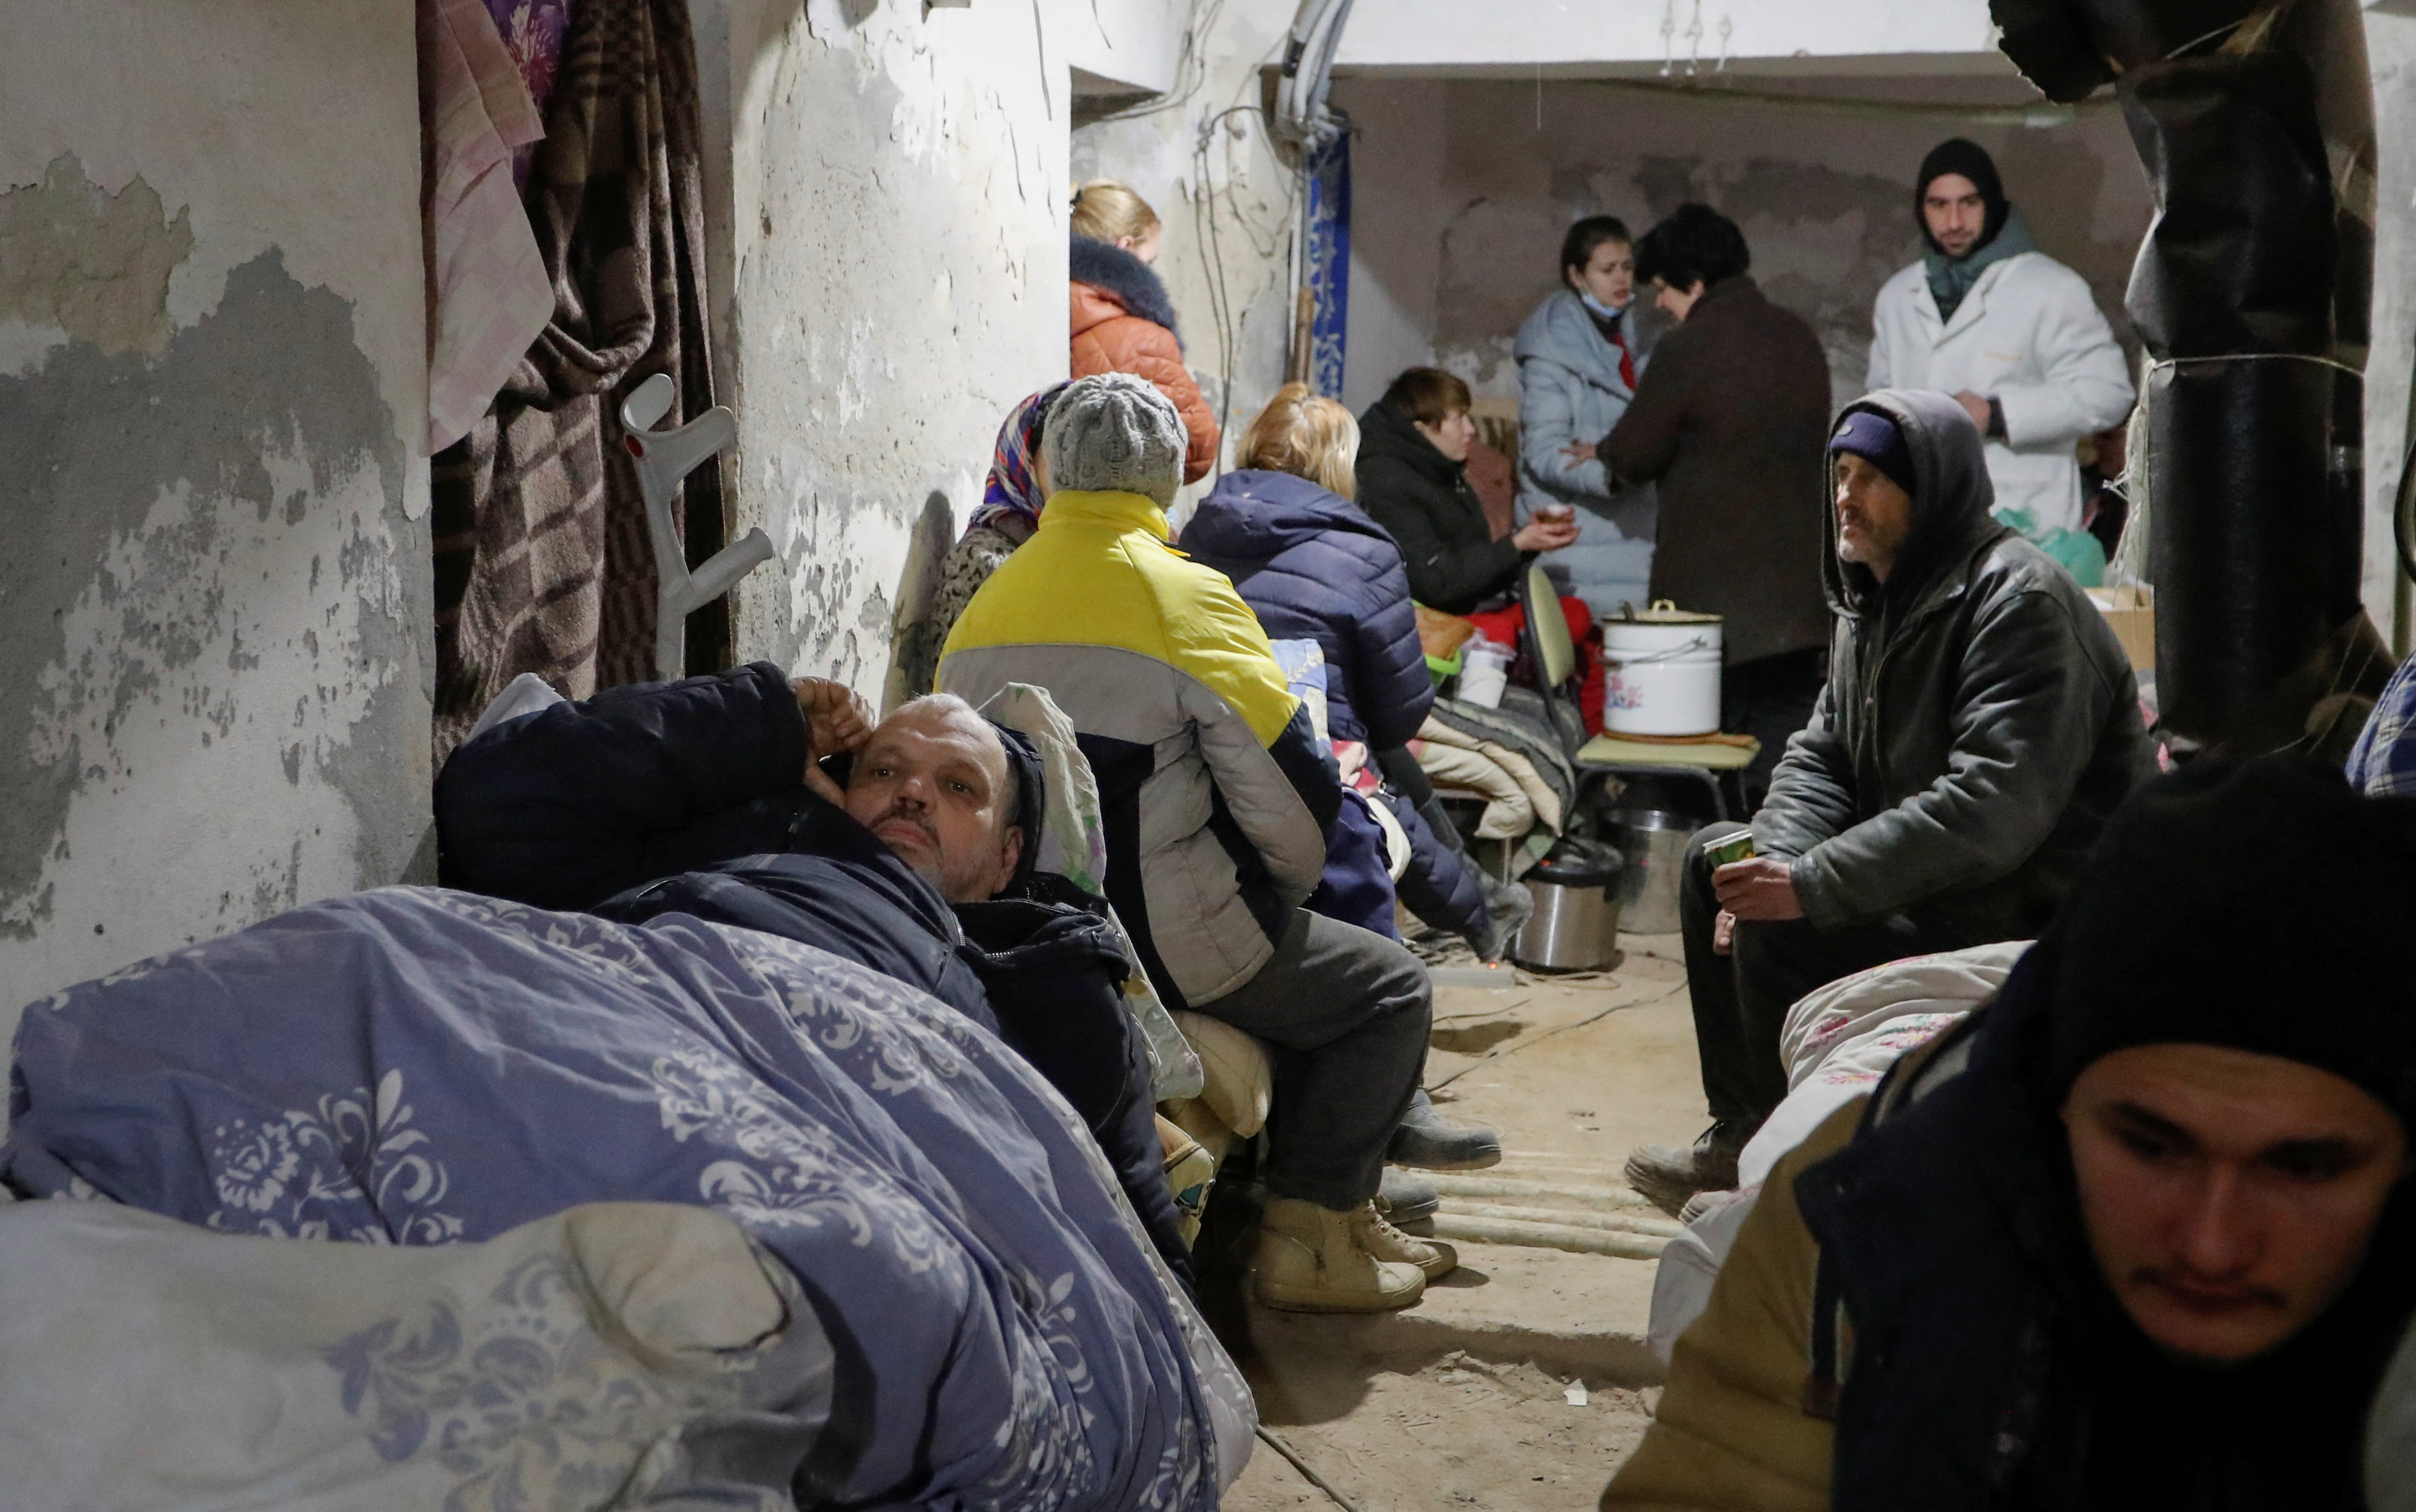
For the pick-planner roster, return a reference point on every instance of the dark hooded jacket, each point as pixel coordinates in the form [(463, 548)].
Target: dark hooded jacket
[(1989, 1354), (688, 798), (1312, 566), (1422, 500), (1919, 1273), (1979, 724)]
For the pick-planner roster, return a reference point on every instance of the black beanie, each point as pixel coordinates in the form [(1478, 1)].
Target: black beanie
[(1877, 440), (1958, 155), (2260, 906)]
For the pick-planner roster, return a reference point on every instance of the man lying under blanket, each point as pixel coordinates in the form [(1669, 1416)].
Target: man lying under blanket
[(721, 797)]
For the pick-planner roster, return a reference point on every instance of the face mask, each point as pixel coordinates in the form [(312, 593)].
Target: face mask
[(1606, 311)]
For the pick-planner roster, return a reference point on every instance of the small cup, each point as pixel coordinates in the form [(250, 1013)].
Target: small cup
[(1731, 849)]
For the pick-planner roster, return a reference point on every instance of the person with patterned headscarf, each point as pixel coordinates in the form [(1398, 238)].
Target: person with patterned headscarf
[(1007, 517)]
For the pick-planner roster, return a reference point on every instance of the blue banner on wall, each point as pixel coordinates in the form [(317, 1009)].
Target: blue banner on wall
[(1326, 222)]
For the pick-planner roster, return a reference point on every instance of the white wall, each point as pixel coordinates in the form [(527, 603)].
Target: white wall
[(215, 601), (889, 240), (1760, 36), (1400, 204), (1122, 46)]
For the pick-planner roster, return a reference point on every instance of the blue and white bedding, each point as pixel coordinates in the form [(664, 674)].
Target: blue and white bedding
[(419, 1067), (616, 1354)]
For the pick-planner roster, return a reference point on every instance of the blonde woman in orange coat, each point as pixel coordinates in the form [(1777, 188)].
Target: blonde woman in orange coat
[(1122, 321)]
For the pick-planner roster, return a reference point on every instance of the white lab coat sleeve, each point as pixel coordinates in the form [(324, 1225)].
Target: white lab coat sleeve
[(1892, 321), (1882, 348), (2084, 385)]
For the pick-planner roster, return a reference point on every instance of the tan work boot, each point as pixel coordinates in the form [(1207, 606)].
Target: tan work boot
[(1309, 1260), (1377, 1237)]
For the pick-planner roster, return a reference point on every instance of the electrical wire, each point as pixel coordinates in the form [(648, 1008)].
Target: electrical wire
[(1205, 221)]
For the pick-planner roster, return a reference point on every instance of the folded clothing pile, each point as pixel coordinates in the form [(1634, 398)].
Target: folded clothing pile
[(1509, 754)]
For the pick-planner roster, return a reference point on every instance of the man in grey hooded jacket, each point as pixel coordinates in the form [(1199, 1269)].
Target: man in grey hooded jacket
[(1979, 725)]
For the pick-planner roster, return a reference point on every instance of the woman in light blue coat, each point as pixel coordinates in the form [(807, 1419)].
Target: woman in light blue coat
[(1578, 361)]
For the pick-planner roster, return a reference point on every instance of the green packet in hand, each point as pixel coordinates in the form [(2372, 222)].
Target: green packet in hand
[(1731, 849)]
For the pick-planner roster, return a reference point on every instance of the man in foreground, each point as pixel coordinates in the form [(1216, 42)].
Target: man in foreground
[(709, 797), (2136, 1235), (1979, 724), (1217, 797), (2015, 336)]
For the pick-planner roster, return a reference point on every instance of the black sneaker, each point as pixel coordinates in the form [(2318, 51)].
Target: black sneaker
[(1666, 1175), (1429, 1142)]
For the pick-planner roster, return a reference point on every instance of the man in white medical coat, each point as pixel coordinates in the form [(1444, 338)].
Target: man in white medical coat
[(2012, 334)]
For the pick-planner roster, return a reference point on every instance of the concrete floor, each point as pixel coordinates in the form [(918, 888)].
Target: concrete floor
[(1461, 1402)]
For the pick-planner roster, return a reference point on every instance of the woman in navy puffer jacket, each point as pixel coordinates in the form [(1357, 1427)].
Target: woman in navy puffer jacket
[(1312, 566)]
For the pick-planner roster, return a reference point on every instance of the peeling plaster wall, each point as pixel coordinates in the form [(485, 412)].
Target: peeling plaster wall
[(888, 237), (1238, 183), (215, 603), (1460, 201), (1124, 44)]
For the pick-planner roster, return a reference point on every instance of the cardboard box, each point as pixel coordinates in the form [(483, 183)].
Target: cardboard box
[(2132, 613)]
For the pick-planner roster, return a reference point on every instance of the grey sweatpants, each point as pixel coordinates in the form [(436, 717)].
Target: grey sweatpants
[(1344, 1013)]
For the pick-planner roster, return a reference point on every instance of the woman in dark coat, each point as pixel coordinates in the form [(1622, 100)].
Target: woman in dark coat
[(1312, 566), (1412, 481), (1729, 423)]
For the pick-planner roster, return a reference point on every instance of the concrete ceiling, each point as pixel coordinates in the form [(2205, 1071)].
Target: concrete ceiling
[(1895, 50)]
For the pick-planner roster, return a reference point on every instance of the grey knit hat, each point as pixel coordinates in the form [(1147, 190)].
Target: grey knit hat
[(1115, 432)]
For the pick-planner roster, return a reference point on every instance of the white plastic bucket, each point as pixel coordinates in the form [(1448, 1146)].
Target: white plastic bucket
[(1661, 673), (1484, 672)]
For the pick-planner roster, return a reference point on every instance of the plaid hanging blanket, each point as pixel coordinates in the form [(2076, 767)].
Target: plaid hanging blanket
[(542, 559)]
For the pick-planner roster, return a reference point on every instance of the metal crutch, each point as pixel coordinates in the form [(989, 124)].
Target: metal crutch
[(662, 458)]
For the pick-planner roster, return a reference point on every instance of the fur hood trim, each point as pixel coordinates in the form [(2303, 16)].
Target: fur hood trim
[(1125, 278)]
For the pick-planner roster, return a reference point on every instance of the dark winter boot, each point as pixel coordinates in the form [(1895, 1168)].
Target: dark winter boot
[(1668, 1175), (1408, 1200), (1508, 905), (1429, 1142)]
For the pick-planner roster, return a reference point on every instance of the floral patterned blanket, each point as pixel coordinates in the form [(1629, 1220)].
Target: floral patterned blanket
[(413, 1066), (619, 1354)]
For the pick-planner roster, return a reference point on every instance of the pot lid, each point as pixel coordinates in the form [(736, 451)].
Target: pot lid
[(1576, 862), (1664, 612)]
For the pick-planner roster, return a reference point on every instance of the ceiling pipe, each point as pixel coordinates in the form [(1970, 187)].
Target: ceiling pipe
[(2251, 292), (1303, 119)]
